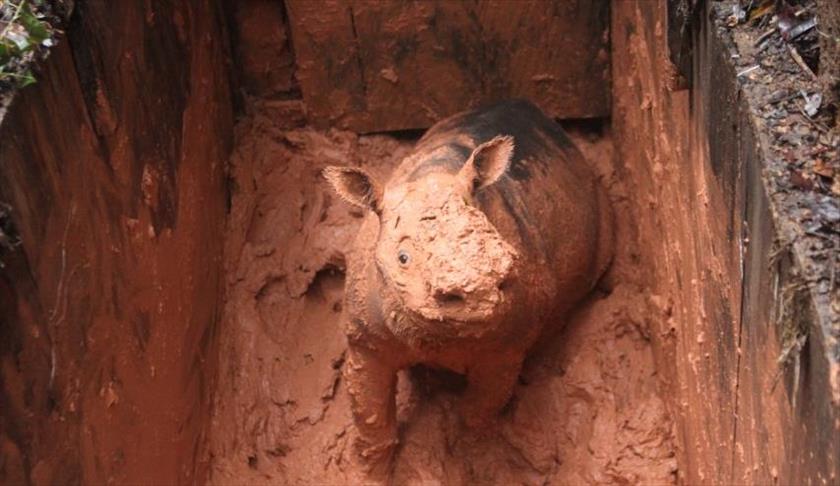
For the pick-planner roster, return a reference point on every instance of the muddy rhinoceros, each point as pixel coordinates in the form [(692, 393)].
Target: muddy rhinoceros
[(492, 227)]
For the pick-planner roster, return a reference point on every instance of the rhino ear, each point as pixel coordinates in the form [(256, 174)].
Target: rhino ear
[(355, 186), (488, 163)]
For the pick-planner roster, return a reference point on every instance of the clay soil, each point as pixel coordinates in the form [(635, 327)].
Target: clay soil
[(587, 409)]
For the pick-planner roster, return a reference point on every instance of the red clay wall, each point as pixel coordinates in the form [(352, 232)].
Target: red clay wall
[(390, 65), (708, 236), (114, 165)]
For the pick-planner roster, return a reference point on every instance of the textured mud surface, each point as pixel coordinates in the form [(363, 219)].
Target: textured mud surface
[(586, 408), (801, 170)]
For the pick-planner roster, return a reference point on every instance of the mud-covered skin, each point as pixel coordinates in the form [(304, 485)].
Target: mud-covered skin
[(490, 257)]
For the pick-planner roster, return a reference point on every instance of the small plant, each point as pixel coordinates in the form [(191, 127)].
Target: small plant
[(24, 30), (9, 238)]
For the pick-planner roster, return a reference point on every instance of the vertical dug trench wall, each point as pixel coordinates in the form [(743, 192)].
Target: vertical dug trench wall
[(114, 165), (709, 218), (171, 315)]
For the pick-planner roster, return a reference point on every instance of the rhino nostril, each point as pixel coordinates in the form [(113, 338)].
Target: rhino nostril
[(505, 284), (448, 297)]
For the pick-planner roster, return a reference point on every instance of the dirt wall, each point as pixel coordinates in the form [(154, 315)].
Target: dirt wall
[(695, 165), (388, 65), (113, 164)]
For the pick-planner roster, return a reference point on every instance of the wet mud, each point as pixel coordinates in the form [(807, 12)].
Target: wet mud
[(587, 408)]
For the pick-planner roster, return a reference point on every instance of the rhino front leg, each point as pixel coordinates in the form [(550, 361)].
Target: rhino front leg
[(489, 388), (372, 386)]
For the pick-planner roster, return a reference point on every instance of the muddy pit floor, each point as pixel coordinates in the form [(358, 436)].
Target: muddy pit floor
[(587, 409)]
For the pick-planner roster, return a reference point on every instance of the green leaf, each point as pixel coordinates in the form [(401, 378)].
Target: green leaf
[(26, 79), (37, 29), (19, 38)]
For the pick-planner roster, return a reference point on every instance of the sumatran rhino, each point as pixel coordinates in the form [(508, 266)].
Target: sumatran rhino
[(493, 226)]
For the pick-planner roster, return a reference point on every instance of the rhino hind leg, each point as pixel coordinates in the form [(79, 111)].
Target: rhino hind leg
[(489, 388), (372, 387)]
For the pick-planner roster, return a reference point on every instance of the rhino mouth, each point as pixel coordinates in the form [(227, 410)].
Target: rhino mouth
[(464, 309)]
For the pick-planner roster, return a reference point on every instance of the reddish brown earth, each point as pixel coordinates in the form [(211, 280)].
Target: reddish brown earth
[(390, 65), (110, 330), (586, 410)]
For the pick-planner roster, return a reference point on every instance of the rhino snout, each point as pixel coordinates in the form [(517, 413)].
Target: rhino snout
[(474, 292), (452, 295), (448, 297)]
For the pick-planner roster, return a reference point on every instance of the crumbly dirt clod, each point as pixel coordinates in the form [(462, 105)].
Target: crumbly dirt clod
[(586, 409)]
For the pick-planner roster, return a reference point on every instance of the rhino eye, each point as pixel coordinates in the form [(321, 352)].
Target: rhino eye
[(403, 257)]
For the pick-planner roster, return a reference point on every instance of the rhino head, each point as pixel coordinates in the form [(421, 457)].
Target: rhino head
[(437, 251)]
